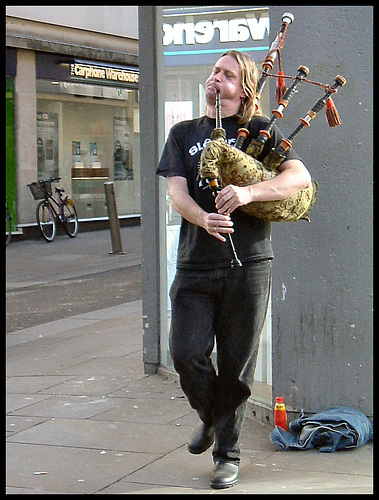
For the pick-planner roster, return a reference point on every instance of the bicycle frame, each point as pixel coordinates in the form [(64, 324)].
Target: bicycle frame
[(51, 201)]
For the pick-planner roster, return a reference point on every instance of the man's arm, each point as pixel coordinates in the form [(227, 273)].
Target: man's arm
[(186, 206), (293, 178)]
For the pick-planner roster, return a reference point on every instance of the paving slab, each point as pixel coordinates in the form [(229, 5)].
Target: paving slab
[(63, 469), (84, 418), (92, 434)]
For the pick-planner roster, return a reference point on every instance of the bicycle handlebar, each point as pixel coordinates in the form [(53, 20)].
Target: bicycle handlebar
[(52, 179)]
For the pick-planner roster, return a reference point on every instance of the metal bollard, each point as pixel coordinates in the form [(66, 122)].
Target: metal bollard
[(114, 224)]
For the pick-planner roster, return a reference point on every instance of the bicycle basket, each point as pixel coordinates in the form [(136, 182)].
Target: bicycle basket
[(38, 189)]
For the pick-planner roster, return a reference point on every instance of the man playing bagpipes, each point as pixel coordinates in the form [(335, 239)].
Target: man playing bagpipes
[(222, 285)]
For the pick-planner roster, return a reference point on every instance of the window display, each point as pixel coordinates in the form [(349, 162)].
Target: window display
[(87, 135)]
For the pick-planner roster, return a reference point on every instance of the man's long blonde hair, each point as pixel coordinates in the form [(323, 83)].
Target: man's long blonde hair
[(249, 80)]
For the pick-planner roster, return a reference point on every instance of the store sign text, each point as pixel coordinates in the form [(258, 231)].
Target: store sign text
[(87, 71), (203, 32)]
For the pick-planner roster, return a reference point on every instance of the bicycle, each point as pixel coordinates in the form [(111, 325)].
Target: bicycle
[(8, 225), (50, 210)]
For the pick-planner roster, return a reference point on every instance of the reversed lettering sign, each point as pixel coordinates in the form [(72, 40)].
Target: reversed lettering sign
[(196, 36), (203, 32)]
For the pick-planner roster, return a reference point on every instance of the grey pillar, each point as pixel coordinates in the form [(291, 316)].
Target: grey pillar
[(149, 187), (322, 272)]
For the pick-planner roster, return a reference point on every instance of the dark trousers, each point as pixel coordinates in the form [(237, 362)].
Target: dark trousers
[(227, 305)]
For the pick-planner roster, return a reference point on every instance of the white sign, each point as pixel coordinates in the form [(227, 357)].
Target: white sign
[(203, 32)]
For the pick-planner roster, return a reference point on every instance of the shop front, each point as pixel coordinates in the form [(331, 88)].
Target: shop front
[(87, 126)]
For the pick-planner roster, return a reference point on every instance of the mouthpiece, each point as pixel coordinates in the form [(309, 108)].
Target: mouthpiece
[(287, 17)]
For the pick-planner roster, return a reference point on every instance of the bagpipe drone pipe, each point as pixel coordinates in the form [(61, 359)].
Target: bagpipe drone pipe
[(222, 164)]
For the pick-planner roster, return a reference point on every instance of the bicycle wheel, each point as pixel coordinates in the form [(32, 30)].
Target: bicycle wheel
[(8, 227), (70, 220), (46, 221)]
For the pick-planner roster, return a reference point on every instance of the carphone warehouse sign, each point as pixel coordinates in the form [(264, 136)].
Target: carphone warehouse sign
[(194, 35)]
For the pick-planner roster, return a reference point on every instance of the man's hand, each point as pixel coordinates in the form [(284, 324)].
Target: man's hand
[(292, 178), (232, 197), (215, 224)]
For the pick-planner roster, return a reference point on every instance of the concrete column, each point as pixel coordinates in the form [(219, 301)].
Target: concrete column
[(25, 132), (322, 272), (149, 188)]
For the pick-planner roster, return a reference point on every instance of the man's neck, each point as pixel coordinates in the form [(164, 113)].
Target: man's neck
[(210, 111)]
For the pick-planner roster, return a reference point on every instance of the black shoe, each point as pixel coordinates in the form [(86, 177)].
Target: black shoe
[(224, 474), (201, 439)]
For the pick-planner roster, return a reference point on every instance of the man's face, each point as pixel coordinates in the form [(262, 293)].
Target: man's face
[(225, 78)]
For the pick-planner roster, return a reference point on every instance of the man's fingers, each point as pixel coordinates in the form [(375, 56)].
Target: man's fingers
[(218, 223)]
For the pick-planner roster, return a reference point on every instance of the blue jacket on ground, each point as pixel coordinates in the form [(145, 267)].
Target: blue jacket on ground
[(333, 429)]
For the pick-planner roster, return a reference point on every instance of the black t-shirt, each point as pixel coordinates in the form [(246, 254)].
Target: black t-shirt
[(181, 157)]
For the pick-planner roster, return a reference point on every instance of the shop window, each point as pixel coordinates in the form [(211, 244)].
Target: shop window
[(88, 135), (188, 58)]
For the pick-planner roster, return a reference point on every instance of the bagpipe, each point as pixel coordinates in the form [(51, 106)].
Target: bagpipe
[(222, 164)]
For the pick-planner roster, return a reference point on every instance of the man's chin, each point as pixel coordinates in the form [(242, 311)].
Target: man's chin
[(210, 97)]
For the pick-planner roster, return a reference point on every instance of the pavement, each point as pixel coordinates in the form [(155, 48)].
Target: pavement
[(83, 417)]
